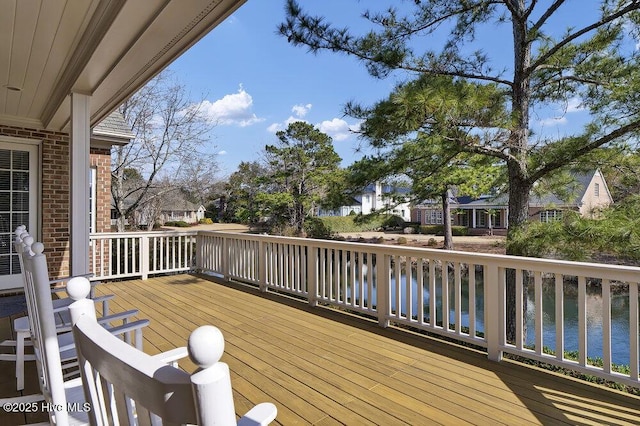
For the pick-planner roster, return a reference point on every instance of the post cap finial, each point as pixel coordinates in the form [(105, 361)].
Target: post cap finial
[(78, 288), (37, 247), (206, 346)]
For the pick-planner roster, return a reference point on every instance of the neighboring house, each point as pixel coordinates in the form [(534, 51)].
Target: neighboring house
[(59, 84), (376, 197), (355, 207), (178, 209), (590, 194), (162, 207)]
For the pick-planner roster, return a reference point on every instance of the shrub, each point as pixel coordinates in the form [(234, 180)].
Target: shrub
[(457, 231), (316, 228), (402, 240), (432, 242), (431, 229), (352, 223), (393, 221), (206, 221), (177, 224)]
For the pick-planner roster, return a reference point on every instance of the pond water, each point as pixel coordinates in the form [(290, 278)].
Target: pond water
[(619, 314)]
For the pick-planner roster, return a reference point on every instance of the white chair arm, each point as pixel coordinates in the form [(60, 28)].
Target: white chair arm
[(125, 328), (262, 414), (171, 356), (119, 316)]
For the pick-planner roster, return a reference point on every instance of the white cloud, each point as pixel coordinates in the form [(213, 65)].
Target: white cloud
[(232, 110), (337, 128), (223, 152), (301, 110), (553, 121), (574, 105), (276, 127)]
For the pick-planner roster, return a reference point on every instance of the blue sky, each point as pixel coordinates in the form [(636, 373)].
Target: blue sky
[(254, 83)]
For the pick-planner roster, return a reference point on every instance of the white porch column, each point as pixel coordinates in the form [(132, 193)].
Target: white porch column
[(79, 174), (473, 218)]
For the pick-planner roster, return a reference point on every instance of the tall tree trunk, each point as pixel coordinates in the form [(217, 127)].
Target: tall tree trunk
[(519, 191), (446, 221), (519, 183)]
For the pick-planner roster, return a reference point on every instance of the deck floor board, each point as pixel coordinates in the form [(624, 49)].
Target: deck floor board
[(322, 366)]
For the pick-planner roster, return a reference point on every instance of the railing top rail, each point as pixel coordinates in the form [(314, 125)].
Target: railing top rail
[(593, 270), (106, 235)]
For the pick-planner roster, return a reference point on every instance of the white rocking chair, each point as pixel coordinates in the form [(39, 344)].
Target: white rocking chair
[(126, 386), (50, 347), (22, 326)]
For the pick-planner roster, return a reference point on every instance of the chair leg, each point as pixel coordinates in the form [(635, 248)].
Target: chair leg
[(21, 336)]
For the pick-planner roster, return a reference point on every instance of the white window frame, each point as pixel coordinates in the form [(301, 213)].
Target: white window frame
[(93, 204)]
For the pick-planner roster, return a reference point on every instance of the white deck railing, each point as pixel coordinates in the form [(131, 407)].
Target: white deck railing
[(469, 303), (116, 255)]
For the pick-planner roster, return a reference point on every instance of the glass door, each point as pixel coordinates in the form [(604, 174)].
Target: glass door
[(18, 204)]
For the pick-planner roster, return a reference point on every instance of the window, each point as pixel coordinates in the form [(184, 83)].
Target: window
[(596, 189), (419, 216), (482, 219), (550, 215), (433, 217), (496, 219), (93, 193)]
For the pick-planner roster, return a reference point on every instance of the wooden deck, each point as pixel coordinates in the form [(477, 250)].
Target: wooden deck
[(321, 366)]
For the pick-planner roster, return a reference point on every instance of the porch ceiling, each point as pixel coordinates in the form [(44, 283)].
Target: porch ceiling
[(105, 48)]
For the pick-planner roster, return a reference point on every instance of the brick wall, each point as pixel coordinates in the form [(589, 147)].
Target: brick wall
[(54, 176), (101, 160)]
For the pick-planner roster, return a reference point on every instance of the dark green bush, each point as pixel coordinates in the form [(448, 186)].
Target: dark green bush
[(177, 223), (316, 228), (456, 231), (393, 221)]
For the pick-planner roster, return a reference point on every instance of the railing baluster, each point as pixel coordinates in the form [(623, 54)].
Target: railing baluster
[(420, 288), (606, 326), (537, 277), (458, 297), (520, 298), (559, 294), (384, 289), (472, 299), (370, 268), (444, 282), (634, 331), (359, 294), (398, 286), (433, 315), (582, 321)]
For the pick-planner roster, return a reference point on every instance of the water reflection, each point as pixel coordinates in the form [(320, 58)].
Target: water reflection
[(594, 309)]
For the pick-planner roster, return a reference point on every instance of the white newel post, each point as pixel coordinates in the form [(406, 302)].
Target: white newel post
[(384, 289), (144, 256), (225, 258), (79, 160), (494, 311), (312, 275), (262, 266), (198, 265)]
